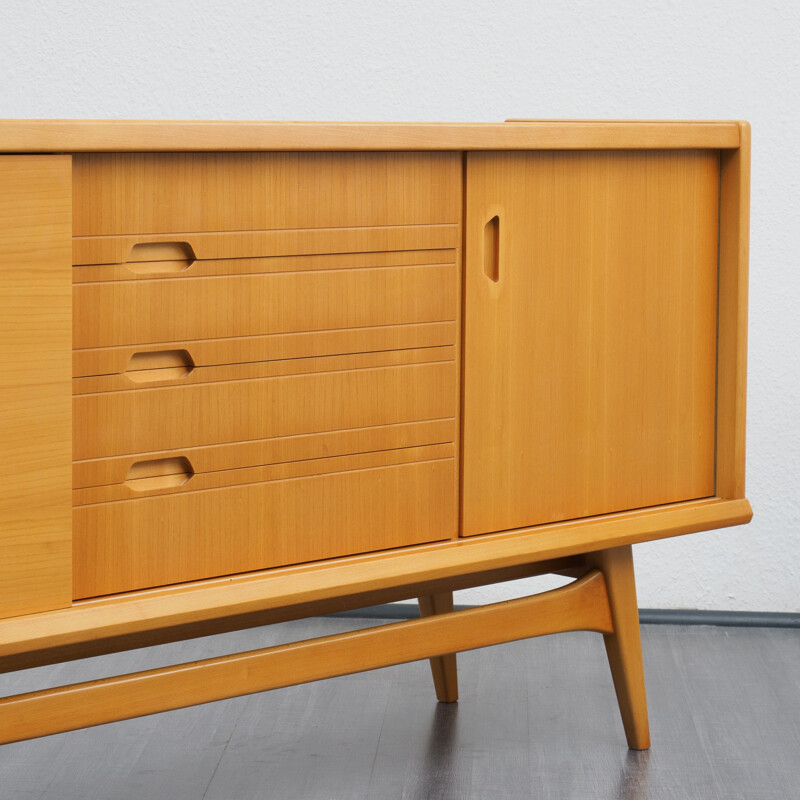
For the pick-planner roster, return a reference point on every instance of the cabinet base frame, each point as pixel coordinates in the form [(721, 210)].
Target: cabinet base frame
[(598, 601), (596, 551)]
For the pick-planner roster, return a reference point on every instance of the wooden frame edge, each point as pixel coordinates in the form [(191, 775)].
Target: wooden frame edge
[(734, 244), (25, 136)]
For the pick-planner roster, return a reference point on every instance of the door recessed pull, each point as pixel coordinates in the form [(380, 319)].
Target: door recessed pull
[(154, 257), (491, 249)]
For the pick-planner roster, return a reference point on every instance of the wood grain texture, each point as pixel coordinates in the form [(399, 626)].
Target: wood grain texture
[(582, 605), (159, 135), (35, 413), (590, 363), (156, 193), (144, 312), (126, 545), (734, 245), (165, 418)]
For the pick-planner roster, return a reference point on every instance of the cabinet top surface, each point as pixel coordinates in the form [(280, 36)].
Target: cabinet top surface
[(42, 136)]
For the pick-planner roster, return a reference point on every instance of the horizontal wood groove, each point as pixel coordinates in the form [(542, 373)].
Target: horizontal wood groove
[(241, 245), (582, 605), (267, 473), (20, 136), (171, 417), (146, 312), (387, 458), (278, 450), (253, 265), (253, 370), (244, 378), (273, 347), (143, 613), (188, 275)]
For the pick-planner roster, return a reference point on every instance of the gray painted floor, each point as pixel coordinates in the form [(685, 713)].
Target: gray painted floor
[(536, 719)]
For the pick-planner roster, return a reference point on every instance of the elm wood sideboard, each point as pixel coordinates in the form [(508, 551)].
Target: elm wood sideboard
[(252, 372)]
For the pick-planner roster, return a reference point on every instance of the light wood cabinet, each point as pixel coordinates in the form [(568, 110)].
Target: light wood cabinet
[(315, 367)]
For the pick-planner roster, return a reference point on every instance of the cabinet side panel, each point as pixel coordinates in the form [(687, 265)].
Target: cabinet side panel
[(35, 383), (734, 241), (590, 346)]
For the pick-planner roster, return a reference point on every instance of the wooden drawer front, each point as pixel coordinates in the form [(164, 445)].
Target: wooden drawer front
[(132, 544), (179, 367), (176, 255), (112, 473), (166, 418), (132, 193), (175, 474), (148, 311), (265, 362), (207, 354)]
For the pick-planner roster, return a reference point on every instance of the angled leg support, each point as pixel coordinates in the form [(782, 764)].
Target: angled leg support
[(624, 645), (443, 668)]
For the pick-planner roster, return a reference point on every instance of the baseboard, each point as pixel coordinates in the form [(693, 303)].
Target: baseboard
[(647, 616), (739, 619)]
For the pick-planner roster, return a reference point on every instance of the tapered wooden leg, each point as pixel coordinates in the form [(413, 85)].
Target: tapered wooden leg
[(443, 668), (624, 645)]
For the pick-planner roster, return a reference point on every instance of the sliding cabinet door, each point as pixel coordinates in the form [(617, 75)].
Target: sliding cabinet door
[(590, 333), (35, 383)]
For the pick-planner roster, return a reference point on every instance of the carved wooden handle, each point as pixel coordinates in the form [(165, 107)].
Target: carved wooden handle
[(155, 257), (159, 473), (159, 365)]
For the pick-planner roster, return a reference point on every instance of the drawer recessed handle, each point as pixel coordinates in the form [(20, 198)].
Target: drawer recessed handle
[(159, 365), (491, 249), (160, 473), (154, 257)]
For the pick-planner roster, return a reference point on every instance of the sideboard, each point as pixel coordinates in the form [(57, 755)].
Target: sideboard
[(253, 372)]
